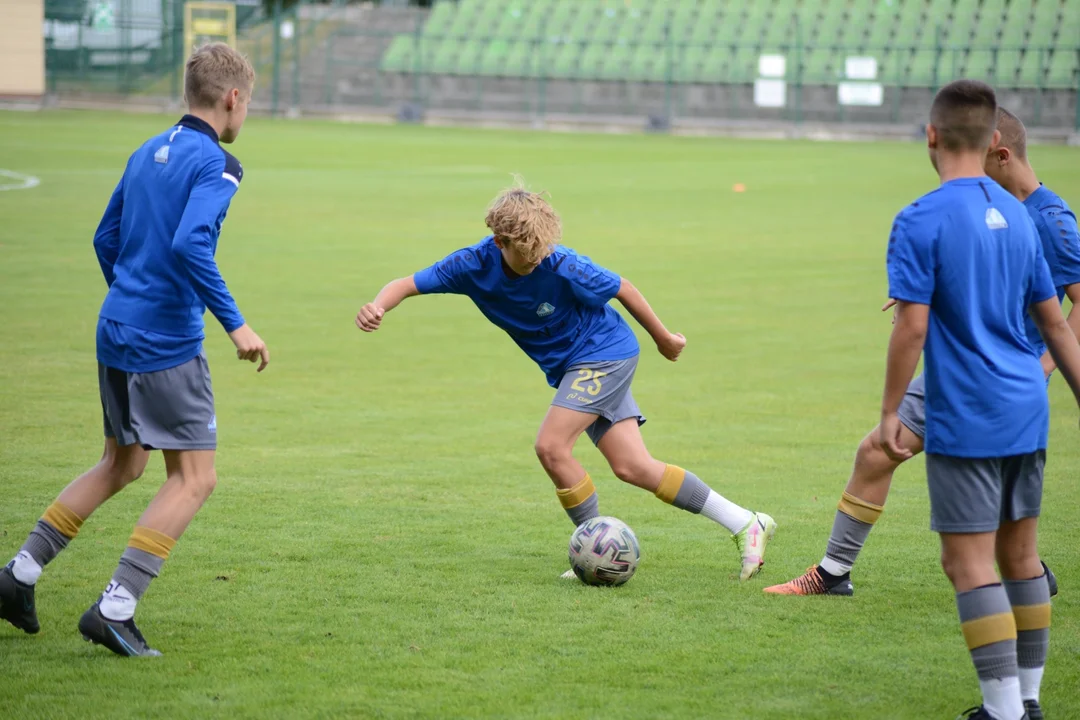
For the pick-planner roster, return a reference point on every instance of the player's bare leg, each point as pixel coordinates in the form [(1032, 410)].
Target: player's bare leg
[(555, 450), (986, 618), (624, 448), (1026, 582), (860, 506), (118, 467), (110, 621)]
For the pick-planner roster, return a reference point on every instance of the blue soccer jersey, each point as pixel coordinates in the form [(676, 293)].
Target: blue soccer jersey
[(558, 314), (156, 245), (969, 250), (1056, 224)]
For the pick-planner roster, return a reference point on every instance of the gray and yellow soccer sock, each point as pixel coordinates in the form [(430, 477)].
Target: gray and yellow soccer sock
[(580, 502), (1031, 608), (854, 520), (56, 528), (986, 618), (688, 492), (683, 489), (141, 562)]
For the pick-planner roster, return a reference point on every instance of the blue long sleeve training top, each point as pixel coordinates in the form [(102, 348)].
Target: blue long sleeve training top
[(156, 245)]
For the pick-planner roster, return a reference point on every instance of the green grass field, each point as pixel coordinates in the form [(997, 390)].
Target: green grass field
[(383, 543)]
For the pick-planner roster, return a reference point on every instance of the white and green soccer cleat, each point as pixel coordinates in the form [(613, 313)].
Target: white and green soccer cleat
[(751, 542)]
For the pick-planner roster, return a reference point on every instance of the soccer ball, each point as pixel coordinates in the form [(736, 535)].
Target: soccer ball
[(604, 551)]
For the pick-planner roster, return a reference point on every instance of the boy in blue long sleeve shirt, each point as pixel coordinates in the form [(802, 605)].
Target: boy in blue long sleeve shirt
[(155, 244)]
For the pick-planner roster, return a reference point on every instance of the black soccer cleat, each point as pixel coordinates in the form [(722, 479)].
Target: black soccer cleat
[(1034, 711), (122, 637), (17, 602), (1051, 580)]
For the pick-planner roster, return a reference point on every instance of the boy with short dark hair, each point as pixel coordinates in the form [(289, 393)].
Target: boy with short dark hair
[(965, 266), (156, 245), (554, 304)]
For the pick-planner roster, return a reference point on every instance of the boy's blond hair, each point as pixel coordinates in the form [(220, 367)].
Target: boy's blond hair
[(213, 70), (526, 220)]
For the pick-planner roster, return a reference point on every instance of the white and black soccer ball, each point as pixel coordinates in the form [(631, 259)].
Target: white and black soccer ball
[(604, 551)]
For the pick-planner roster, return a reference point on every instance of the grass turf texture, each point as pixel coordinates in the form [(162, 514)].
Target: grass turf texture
[(383, 543)]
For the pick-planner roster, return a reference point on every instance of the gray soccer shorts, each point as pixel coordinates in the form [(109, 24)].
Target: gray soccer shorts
[(170, 409), (975, 495), (912, 411), (600, 388)]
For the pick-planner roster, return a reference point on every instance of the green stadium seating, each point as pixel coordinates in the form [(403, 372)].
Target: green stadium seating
[(918, 43)]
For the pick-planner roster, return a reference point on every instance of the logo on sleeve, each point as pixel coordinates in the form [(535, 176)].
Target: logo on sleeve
[(995, 220), (545, 309), (162, 155)]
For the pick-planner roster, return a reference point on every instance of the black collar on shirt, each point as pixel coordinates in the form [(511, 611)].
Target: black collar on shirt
[(190, 121)]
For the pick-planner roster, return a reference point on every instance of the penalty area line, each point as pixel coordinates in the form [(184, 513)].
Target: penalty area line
[(11, 180)]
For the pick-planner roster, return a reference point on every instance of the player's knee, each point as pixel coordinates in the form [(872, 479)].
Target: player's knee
[(871, 452), (1017, 559), (550, 452), (630, 470), (123, 467), (203, 484)]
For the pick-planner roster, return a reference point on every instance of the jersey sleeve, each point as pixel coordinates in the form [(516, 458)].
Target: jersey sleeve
[(910, 261), (194, 242), (1041, 286), (107, 237), (1061, 226), (592, 284), (449, 275)]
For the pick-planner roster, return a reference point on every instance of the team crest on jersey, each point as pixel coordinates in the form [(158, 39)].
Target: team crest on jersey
[(995, 220), (545, 309), (162, 155)]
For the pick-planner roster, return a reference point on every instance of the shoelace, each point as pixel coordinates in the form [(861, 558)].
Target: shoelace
[(810, 582)]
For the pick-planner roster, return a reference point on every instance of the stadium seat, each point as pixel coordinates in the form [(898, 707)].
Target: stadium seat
[(444, 56), (440, 19), (520, 60), (689, 60), (1032, 69), (493, 57), (1005, 68), (1061, 72), (1015, 26), (563, 62), (991, 21), (830, 31), (924, 70), (399, 56), (978, 65), (714, 66)]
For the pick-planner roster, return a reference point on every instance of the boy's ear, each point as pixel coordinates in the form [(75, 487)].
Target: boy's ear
[(931, 136), (499, 243), (232, 99)]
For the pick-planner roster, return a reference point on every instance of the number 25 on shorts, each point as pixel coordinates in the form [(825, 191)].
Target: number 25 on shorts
[(588, 376)]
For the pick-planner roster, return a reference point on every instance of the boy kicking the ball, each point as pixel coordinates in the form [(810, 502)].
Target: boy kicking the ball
[(554, 304)]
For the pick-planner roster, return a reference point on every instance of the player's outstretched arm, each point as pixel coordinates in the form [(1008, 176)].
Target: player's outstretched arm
[(668, 343), (1060, 341), (905, 346), (370, 316), (1073, 292)]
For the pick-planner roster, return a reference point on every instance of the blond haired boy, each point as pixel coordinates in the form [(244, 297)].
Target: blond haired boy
[(156, 245), (554, 304)]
